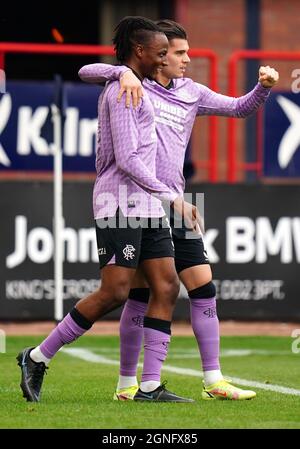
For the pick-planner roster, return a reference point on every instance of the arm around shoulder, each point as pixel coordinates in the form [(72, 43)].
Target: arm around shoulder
[(100, 73)]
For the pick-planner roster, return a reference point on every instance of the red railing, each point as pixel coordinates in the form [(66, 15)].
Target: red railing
[(212, 163), (105, 50), (233, 165)]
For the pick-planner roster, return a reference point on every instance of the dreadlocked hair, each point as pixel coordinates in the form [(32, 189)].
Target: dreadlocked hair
[(132, 30), (171, 29)]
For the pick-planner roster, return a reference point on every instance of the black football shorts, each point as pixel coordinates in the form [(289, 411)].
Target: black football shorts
[(127, 242), (189, 247)]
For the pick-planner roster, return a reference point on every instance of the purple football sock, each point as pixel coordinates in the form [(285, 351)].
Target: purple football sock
[(155, 351), (131, 336), (205, 325), (65, 332)]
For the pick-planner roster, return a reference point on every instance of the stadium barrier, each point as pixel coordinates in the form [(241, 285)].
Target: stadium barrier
[(104, 50), (254, 250), (233, 164)]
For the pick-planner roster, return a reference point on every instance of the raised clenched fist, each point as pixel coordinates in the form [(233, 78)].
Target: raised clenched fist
[(267, 76)]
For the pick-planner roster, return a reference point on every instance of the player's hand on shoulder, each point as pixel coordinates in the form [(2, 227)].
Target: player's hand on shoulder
[(267, 76), (132, 87)]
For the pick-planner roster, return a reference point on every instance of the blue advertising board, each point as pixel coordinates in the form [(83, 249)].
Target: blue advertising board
[(26, 129), (282, 135), (25, 141)]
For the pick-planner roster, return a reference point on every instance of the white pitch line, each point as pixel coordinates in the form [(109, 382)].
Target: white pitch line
[(228, 353), (193, 353), (89, 356), (246, 352)]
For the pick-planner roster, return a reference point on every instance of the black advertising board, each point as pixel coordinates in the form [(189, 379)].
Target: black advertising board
[(252, 238)]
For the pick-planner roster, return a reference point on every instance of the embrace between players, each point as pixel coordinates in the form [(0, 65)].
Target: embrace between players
[(148, 237)]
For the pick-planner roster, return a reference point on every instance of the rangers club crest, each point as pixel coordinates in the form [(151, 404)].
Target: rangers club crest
[(128, 252)]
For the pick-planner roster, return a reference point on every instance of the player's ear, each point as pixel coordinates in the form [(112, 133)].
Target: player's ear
[(138, 49)]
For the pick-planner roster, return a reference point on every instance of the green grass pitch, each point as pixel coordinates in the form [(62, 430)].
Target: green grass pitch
[(78, 393)]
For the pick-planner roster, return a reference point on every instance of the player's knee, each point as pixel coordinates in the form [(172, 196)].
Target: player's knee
[(170, 289), (205, 291), (119, 291)]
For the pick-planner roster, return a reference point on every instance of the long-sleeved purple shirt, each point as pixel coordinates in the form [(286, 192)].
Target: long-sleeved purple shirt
[(175, 111), (126, 158)]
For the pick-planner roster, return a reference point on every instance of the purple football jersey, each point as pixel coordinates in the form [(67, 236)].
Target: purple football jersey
[(126, 158), (175, 111)]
